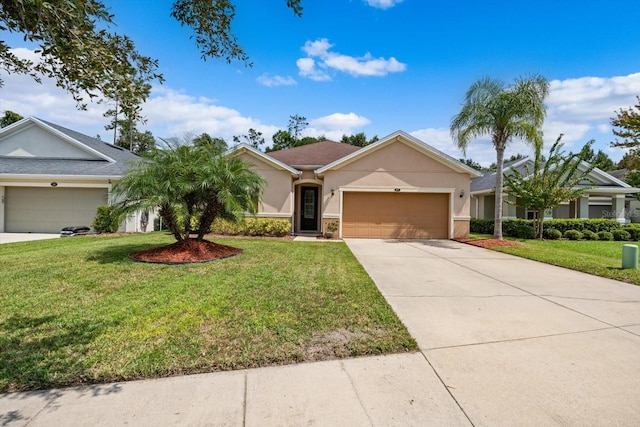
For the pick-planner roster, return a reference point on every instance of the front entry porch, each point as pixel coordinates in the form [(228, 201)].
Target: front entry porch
[(308, 209)]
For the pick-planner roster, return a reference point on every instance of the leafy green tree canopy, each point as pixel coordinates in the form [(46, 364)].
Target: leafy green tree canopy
[(253, 138), (85, 58), (627, 127), (503, 113), (549, 182), (204, 139), (359, 139), (9, 117)]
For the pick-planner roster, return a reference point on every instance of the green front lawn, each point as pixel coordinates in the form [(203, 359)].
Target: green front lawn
[(78, 311), (601, 258)]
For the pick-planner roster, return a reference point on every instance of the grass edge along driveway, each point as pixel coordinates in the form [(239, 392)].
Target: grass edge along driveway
[(78, 311), (600, 258)]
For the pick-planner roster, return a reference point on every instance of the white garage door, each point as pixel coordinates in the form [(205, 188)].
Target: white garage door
[(47, 210)]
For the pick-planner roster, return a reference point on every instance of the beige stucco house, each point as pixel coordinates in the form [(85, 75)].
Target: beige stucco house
[(398, 187), (605, 197), (52, 177)]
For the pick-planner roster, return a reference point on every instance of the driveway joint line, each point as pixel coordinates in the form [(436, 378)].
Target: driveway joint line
[(355, 390), (244, 405), (447, 388), (521, 339)]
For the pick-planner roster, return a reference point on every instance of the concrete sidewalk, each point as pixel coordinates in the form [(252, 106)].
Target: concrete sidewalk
[(504, 341)]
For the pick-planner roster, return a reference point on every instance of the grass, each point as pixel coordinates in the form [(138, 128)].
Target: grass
[(600, 258), (78, 311)]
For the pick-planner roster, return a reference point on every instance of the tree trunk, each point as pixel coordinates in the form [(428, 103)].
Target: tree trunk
[(497, 227)]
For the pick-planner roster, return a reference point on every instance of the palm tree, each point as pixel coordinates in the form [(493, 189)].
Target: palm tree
[(504, 113), (191, 186)]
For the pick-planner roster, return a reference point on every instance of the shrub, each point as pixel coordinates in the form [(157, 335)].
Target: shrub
[(524, 232), (572, 235), (482, 226), (589, 235), (605, 235), (107, 219), (633, 230), (621, 235), (551, 233), (252, 227)]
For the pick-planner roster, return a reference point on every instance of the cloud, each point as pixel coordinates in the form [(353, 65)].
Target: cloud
[(334, 126), (382, 4), (319, 60), (271, 81)]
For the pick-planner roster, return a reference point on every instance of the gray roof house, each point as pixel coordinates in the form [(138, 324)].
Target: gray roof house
[(606, 197), (52, 177)]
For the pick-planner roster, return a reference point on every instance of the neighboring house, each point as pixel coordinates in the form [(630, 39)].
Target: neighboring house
[(606, 197), (398, 187), (52, 177)]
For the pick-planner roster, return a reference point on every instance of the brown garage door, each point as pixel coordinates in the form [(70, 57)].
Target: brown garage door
[(396, 215)]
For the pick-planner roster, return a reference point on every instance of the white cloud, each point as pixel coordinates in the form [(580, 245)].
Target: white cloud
[(307, 68), (334, 126), (382, 4), (319, 59), (271, 81)]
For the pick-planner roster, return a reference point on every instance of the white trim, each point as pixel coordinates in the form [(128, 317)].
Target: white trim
[(65, 177), (331, 216), (58, 184), (274, 215), (244, 148), (407, 139), (308, 181), (462, 218), (399, 189), (69, 139)]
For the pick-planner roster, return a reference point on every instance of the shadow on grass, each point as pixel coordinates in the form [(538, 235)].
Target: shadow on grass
[(44, 352), (120, 253)]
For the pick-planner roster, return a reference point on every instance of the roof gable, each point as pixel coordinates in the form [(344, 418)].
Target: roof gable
[(404, 138), (595, 178), (247, 149), (315, 155)]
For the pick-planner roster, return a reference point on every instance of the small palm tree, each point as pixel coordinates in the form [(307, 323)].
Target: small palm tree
[(190, 185), (504, 113)]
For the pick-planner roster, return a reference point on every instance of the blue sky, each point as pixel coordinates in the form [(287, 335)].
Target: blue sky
[(373, 66)]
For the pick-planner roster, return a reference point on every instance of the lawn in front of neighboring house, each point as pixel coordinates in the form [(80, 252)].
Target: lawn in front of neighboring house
[(79, 311), (600, 258)]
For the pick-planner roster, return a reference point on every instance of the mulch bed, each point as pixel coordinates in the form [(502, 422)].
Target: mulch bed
[(187, 251), (489, 243)]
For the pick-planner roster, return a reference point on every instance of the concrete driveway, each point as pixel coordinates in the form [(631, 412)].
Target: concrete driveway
[(515, 342), (25, 237)]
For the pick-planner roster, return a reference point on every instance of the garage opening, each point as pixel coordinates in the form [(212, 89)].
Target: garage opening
[(47, 210), (394, 215)]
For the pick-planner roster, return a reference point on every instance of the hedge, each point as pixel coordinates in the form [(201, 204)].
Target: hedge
[(509, 226), (252, 227)]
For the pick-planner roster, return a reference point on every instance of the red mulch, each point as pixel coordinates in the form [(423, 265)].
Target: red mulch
[(186, 251), (489, 243)]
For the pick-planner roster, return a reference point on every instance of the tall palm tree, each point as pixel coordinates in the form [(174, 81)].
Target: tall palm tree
[(191, 186), (504, 113)]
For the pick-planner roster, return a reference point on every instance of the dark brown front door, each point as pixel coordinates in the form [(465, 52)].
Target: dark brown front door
[(309, 208)]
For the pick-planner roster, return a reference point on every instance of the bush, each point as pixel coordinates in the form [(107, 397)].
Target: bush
[(572, 235), (634, 231), (621, 235), (524, 232), (605, 235), (551, 233), (589, 235), (252, 227), (482, 226), (107, 219)]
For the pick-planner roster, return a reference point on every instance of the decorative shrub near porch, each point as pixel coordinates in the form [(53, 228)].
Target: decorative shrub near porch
[(252, 227), (510, 226)]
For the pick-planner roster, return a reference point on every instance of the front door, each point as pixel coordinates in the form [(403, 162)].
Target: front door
[(309, 209)]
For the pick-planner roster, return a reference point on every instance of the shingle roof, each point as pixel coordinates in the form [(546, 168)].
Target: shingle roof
[(317, 154), (80, 167)]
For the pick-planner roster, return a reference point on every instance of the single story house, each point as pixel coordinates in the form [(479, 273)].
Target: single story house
[(605, 197), (52, 177), (398, 187)]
